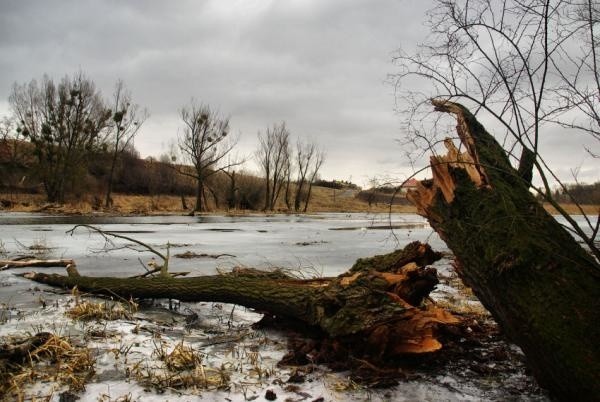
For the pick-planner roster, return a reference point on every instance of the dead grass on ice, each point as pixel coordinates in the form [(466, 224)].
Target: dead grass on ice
[(180, 368), (224, 356), (107, 310), (57, 360)]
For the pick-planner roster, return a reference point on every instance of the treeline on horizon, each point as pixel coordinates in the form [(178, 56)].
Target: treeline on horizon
[(581, 193), (68, 142), (64, 139)]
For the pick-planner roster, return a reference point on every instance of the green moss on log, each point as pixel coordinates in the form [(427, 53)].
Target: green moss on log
[(536, 280), (397, 259)]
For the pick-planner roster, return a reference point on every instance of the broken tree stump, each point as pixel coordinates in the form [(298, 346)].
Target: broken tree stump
[(379, 300), (540, 285)]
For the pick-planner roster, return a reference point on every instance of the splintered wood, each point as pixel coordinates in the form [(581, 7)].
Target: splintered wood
[(442, 166)]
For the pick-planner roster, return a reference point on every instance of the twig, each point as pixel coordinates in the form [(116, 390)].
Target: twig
[(105, 234)]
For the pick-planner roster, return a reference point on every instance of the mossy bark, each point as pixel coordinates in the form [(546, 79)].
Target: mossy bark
[(527, 270), (380, 301)]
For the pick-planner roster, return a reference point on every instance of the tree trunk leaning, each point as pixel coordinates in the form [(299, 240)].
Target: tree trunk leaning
[(379, 301), (527, 270)]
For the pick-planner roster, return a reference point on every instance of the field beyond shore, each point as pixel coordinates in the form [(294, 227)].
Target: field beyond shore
[(324, 200)]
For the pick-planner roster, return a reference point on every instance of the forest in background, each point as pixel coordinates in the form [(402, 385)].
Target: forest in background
[(63, 139)]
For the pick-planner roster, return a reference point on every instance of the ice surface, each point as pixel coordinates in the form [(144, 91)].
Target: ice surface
[(321, 244)]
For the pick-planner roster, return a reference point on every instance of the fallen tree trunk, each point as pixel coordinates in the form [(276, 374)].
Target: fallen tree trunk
[(7, 264), (378, 300), (528, 271)]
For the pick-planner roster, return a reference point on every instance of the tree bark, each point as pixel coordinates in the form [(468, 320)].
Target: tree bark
[(379, 300), (113, 163), (527, 270), (310, 185), (199, 194)]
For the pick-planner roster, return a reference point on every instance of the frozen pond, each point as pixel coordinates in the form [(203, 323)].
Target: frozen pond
[(324, 244), (320, 244)]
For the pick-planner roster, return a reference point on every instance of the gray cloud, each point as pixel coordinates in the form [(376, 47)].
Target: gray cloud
[(319, 65)]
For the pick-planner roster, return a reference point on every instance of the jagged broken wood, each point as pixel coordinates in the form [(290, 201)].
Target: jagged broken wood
[(527, 270), (379, 300)]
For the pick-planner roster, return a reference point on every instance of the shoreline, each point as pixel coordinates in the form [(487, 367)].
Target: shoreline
[(168, 205), (145, 205)]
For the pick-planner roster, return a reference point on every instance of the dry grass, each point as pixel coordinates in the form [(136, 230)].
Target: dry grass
[(180, 368), (182, 358), (343, 385), (574, 209), (123, 398), (57, 360), (143, 204), (39, 247), (122, 204), (323, 200), (86, 311), (329, 200)]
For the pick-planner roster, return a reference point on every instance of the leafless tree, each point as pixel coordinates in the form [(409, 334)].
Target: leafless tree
[(205, 144), (578, 71), (305, 153), (522, 66), (12, 154), (127, 118), (289, 171), (64, 122), (273, 155), (316, 166), (232, 191)]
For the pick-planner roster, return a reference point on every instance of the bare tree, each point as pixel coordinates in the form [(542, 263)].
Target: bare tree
[(578, 71), (12, 154), (273, 155), (127, 119), (232, 190), (205, 144), (289, 171), (524, 67), (316, 166), (305, 153), (64, 122)]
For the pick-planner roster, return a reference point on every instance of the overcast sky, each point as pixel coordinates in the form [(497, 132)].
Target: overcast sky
[(320, 66)]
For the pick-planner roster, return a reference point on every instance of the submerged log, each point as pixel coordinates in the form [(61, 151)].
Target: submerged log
[(379, 299), (528, 271)]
